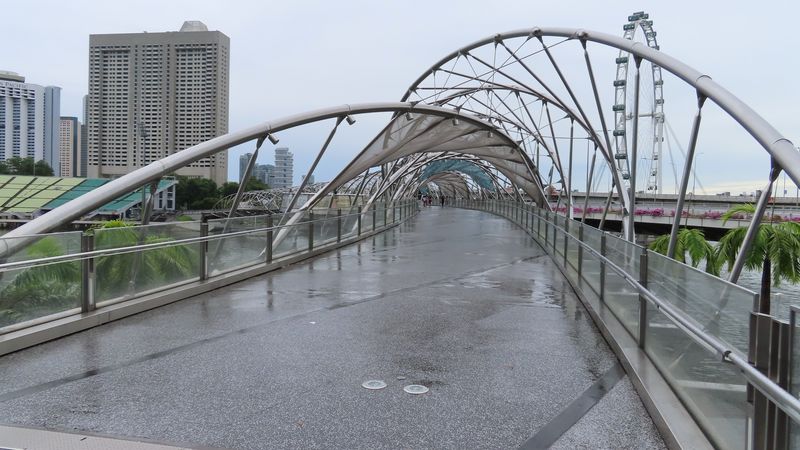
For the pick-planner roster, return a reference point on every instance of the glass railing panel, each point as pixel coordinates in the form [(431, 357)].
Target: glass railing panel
[(716, 306), (623, 300), (127, 274), (295, 241), (237, 251), (713, 391), (34, 292), (624, 254)]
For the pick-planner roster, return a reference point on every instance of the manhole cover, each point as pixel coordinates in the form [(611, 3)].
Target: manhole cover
[(415, 389), (373, 384)]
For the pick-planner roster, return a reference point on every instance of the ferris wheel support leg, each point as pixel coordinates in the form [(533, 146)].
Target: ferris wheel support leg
[(687, 171), (632, 163)]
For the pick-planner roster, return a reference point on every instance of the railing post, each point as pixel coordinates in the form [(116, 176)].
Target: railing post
[(204, 250), (642, 300), (603, 268), (385, 215), (87, 274), (539, 226), (759, 357), (338, 225), (546, 230), (270, 234), (580, 252), (310, 231), (374, 215), (358, 219), (566, 240)]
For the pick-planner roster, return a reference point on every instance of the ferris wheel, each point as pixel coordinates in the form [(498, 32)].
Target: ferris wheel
[(651, 111)]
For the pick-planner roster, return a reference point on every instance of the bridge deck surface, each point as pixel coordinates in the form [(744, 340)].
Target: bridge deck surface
[(460, 301)]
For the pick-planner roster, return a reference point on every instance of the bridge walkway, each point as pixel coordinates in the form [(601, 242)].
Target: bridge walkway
[(460, 301)]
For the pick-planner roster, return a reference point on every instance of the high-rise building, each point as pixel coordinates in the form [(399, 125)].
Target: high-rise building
[(52, 123), (310, 179), (261, 172), (154, 94), (29, 119), (284, 168), (84, 157), (70, 147)]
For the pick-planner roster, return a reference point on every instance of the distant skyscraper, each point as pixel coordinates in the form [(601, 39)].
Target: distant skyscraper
[(310, 179), (284, 168), (27, 125), (261, 172), (154, 94), (52, 122), (69, 147), (84, 158)]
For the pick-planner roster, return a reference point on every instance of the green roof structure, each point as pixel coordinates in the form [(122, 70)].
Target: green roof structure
[(23, 195)]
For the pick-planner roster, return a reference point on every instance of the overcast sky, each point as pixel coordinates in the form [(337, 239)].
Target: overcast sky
[(293, 56)]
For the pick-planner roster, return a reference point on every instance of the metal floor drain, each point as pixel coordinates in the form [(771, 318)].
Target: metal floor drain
[(415, 389), (373, 384)]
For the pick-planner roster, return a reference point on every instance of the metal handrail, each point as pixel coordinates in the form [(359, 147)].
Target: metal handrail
[(50, 260), (783, 399)]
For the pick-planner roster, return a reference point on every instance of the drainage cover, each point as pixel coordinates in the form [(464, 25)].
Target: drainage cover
[(373, 384), (415, 389)]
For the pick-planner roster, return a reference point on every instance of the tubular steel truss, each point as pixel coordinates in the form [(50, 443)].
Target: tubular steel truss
[(506, 102)]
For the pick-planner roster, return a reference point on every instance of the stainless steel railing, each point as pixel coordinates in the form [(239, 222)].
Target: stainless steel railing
[(724, 409)]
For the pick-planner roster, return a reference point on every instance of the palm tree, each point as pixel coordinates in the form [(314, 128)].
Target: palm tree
[(775, 250), (120, 274), (41, 290), (691, 248)]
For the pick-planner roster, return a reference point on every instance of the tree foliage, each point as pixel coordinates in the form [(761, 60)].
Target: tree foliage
[(25, 166), (202, 193), (691, 248)]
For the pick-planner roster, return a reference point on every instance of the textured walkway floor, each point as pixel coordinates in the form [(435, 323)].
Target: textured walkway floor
[(460, 301)]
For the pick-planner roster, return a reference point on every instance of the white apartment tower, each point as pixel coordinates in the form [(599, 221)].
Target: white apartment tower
[(29, 119), (283, 174), (154, 94)]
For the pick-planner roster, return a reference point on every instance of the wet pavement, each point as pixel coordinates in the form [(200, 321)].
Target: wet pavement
[(460, 301)]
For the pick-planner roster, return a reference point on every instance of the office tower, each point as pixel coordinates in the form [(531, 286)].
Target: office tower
[(284, 168), (243, 160), (261, 172), (154, 94), (27, 128), (52, 122), (69, 147), (310, 179), (81, 170)]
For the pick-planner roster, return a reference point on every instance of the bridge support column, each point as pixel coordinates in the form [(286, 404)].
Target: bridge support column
[(87, 274), (374, 216)]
